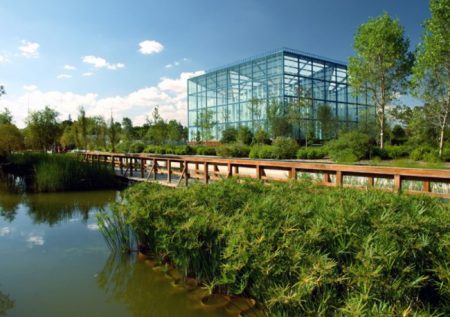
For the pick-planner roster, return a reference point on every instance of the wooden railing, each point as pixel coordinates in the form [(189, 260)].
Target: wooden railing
[(206, 168)]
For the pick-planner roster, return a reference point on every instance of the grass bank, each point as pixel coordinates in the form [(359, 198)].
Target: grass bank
[(300, 249), (60, 172)]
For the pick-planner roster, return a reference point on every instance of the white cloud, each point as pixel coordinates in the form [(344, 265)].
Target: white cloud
[(150, 47), (30, 87), (64, 76), (168, 66), (169, 94), (176, 63), (99, 62), (93, 226), (29, 49), (69, 67), (4, 231), (35, 239), (88, 74), (3, 59)]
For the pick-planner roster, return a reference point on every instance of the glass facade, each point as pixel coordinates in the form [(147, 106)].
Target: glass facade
[(241, 94)]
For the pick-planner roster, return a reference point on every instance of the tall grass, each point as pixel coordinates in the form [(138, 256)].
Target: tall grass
[(52, 173), (300, 249), (117, 233)]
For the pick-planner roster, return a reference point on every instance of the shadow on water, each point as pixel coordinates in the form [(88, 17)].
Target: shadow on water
[(6, 303)]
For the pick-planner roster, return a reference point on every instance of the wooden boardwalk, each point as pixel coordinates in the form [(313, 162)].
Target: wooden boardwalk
[(173, 170)]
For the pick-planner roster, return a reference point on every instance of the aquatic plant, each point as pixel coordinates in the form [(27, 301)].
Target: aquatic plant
[(301, 249), (117, 233), (59, 172)]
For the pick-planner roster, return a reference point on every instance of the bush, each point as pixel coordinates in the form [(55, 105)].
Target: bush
[(123, 147), (233, 150), (349, 147), (261, 137), (419, 152), (261, 152), (244, 135), (205, 150), (397, 151), (300, 249), (284, 148), (229, 135), (312, 153), (137, 147)]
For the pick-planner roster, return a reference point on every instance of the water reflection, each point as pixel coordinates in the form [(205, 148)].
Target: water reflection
[(6, 303)]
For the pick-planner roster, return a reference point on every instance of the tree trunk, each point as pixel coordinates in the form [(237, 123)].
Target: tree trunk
[(382, 127)]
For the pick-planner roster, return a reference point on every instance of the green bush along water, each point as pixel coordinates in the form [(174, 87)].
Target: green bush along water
[(301, 249), (61, 172)]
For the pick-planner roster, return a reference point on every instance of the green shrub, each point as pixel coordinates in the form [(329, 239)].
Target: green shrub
[(137, 147), (349, 147), (244, 135), (123, 147), (233, 150), (312, 153), (261, 137), (397, 151), (419, 152), (261, 152), (284, 148), (229, 135), (205, 150), (446, 154), (300, 249)]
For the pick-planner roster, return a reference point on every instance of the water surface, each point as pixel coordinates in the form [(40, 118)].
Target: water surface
[(54, 262)]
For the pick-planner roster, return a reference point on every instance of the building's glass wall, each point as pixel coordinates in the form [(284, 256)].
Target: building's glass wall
[(240, 94)]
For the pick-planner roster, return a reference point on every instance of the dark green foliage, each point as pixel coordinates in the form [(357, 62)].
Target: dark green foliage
[(229, 135), (244, 135), (300, 249), (233, 150), (424, 152), (397, 151), (57, 172), (312, 153), (284, 148), (261, 137), (137, 147), (205, 150), (261, 152), (349, 147)]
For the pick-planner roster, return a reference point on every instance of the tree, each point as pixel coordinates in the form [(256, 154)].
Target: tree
[(205, 124), (113, 133), (381, 65), (2, 90), (244, 135), (300, 113), (254, 108), (277, 120), (42, 129), (82, 129), (127, 129), (229, 135), (5, 116), (327, 121), (10, 139), (431, 73)]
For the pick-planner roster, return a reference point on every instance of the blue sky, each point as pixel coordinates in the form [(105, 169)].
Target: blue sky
[(128, 56)]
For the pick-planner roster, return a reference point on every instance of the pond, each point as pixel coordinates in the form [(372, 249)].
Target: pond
[(54, 262)]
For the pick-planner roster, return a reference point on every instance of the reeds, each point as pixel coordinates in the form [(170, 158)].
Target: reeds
[(301, 249), (117, 233), (58, 172)]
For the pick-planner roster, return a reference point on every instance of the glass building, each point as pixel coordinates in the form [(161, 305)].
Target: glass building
[(242, 94)]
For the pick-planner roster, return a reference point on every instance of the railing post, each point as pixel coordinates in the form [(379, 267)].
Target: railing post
[(169, 171), (113, 162), (339, 178), (370, 181), (236, 170), (205, 171), (293, 173), (131, 166), (258, 171), (155, 169), (142, 168), (121, 165), (426, 186), (186, 173), (326, 177), (397, 182)]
